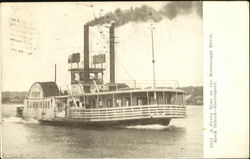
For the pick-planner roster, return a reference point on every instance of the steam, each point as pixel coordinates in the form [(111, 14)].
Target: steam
[(144, 13), (173, 9)]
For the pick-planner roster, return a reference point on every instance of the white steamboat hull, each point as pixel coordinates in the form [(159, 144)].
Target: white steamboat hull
[(131, 115)]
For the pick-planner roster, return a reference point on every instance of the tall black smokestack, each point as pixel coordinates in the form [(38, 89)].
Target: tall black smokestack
[(112, 51), (86, 57)]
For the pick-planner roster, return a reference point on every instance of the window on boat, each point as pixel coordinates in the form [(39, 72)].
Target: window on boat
[(141, 101), (119, 102), (160, 100), (100, 103), (109, 103), (179, 99), (127, 102), (81, 76), (169, 97), (93, 103), (174, 98), (82, 99), (77, 103), (82, 104), (87, 102), (152, 100), (71, 103)]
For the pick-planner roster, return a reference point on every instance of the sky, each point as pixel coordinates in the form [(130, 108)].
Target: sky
[(36, 36)]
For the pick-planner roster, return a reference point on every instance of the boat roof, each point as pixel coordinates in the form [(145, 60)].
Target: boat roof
[(48, 88), (125, 91)]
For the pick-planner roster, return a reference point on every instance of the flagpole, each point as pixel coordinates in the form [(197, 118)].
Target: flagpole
[(153, 60), (153, 56)]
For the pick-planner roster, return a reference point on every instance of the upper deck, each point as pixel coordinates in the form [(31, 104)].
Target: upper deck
[(126, 97), (126, 91)]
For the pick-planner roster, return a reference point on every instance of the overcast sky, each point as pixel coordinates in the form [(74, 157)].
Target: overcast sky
[(50, 32)]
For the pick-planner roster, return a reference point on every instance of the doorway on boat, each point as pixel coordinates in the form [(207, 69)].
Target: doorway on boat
[(61, 107)]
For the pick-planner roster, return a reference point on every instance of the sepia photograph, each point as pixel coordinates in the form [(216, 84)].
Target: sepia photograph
[(102, 79)]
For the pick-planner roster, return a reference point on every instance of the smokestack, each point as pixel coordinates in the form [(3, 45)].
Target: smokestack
[(86, 52), (112, 51), (86, 57)]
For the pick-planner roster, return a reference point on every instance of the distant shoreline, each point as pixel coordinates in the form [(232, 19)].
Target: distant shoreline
[(194, 96), (12, 102)]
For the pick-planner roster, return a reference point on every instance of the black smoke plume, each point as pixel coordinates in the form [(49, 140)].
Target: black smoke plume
[(144, 13)]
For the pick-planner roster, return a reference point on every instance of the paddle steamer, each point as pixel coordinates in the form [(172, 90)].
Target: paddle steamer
[(90, 101)]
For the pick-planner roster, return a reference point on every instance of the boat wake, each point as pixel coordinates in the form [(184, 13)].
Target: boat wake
[(150, 127), (13, 119)]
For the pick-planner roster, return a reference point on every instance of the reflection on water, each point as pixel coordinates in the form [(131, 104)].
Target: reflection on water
[(26, 139)]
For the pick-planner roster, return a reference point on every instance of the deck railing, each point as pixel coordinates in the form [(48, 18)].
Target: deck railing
[(129, 112), (145, 83)]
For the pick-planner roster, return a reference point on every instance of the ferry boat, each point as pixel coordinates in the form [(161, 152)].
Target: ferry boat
[(90, 101)]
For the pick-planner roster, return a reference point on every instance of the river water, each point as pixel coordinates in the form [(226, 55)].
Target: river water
[(29, 139)]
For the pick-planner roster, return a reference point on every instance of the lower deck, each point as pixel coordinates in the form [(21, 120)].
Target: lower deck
[(129, 112)]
